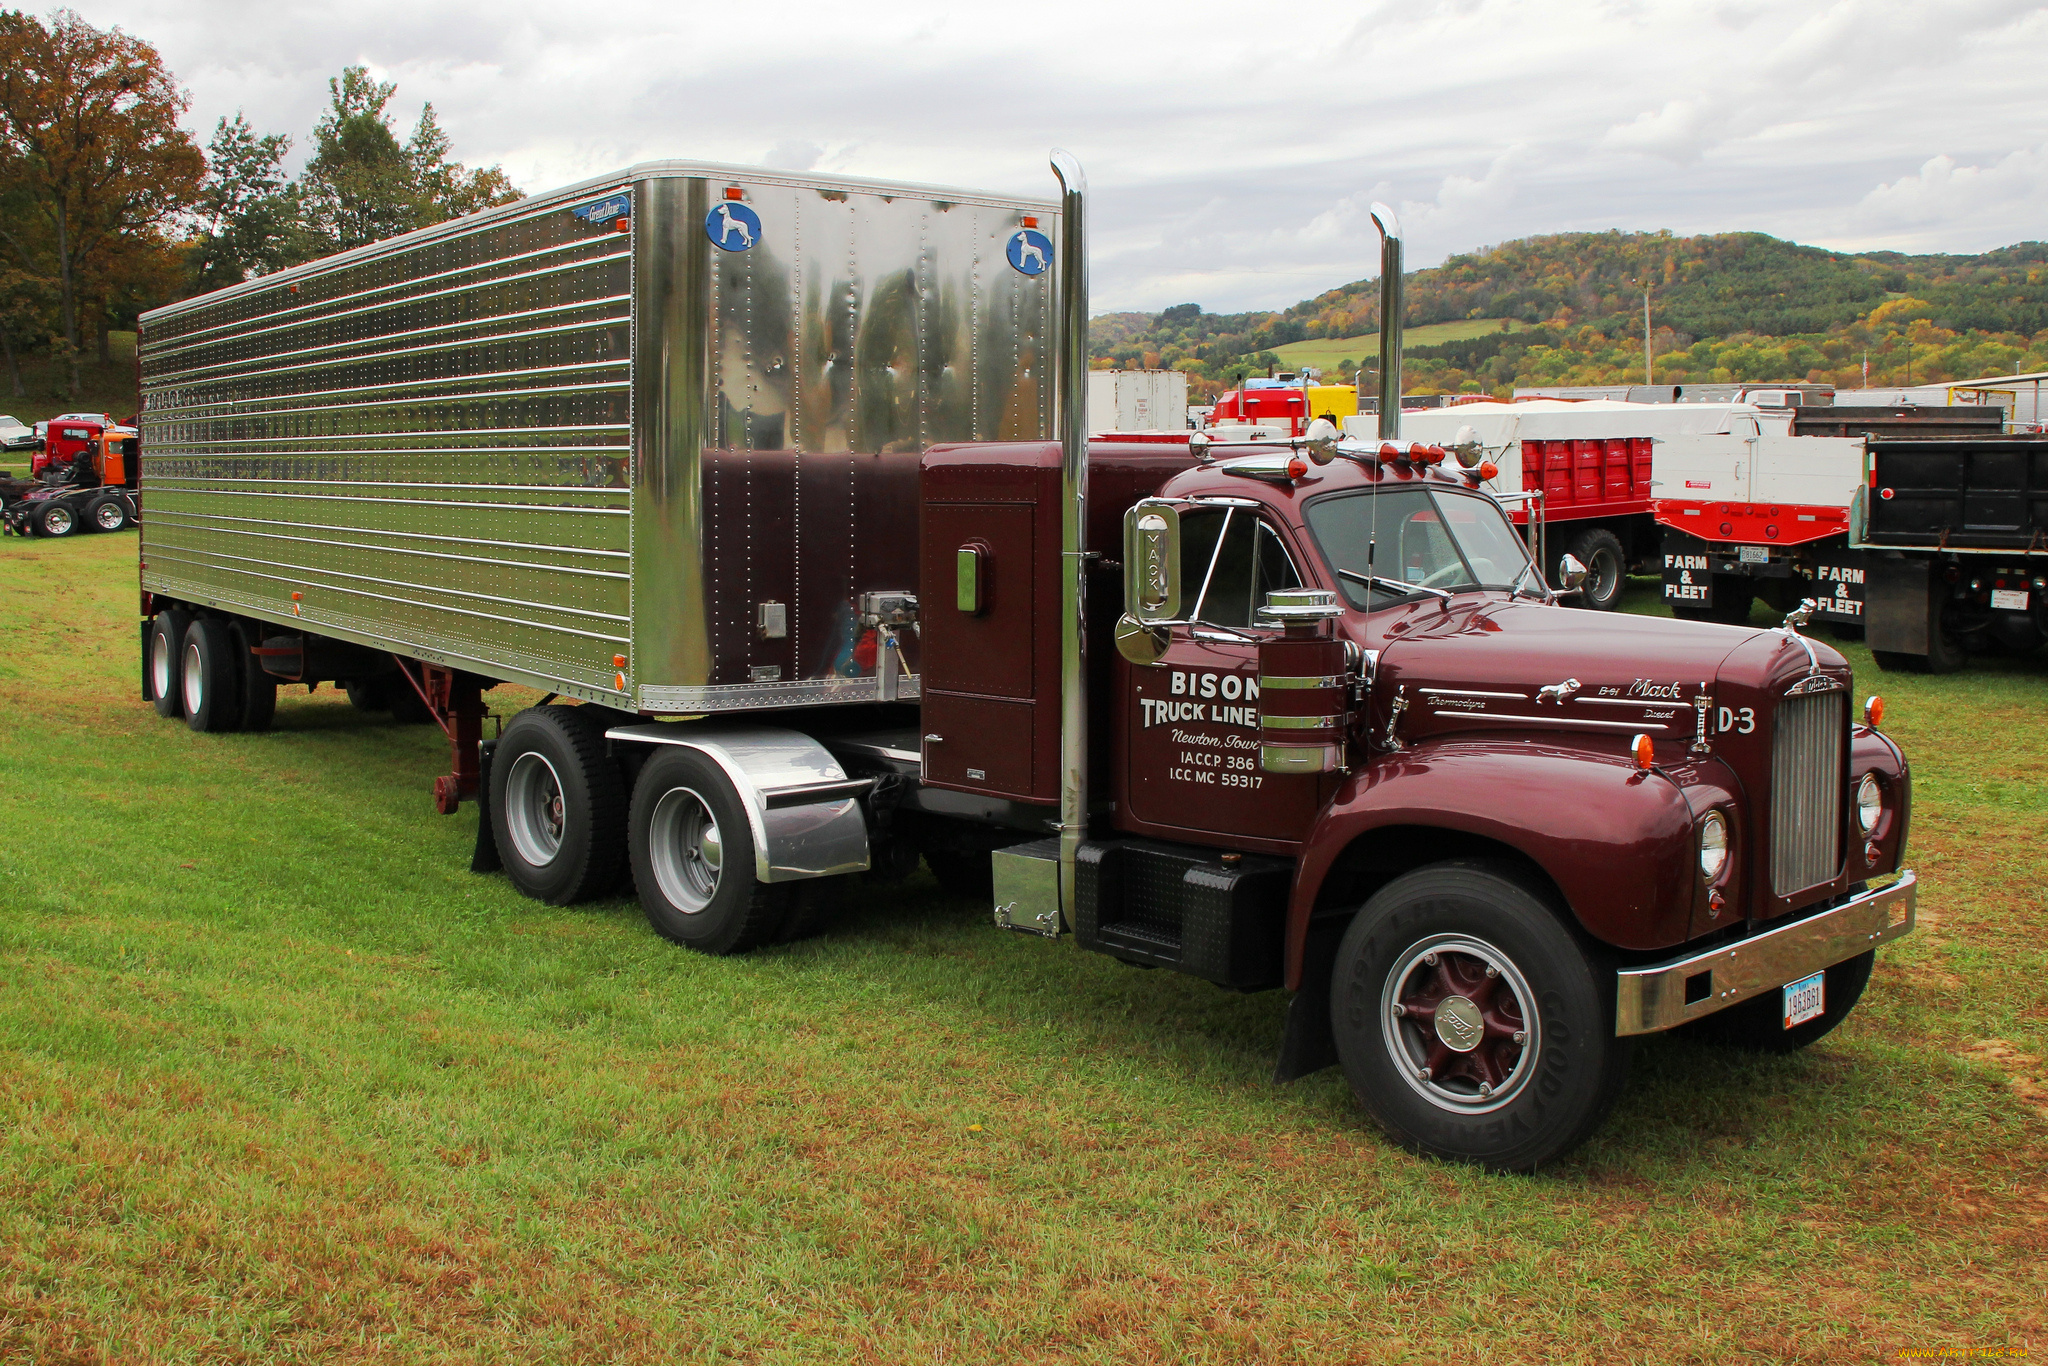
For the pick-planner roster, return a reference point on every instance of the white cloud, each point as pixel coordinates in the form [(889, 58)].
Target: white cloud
[(1680, 131), (1995, 204), (1232, 159)]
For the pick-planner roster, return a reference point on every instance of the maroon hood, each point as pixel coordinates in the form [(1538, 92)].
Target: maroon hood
[(1633, 674)]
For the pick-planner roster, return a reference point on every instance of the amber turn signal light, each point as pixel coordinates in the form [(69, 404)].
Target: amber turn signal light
[(1645, 752), (1487, 470), (1873, 711)]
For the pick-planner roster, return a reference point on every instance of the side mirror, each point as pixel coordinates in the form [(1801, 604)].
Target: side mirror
[(1467, 448), (1198, 446), (1141, 644), (1152, 562), (1571, 573), (1321, 442)]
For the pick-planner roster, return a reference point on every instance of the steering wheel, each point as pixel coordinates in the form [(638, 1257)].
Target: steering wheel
[(1448, 572)]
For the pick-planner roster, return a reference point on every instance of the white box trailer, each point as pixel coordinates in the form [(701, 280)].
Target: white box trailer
[(1137, 401)]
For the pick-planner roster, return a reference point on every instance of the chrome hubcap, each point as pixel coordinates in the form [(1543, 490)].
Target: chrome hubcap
[(160, 666), (109, 517), (1460, 1023), (686, 848), (194, 686), (534, 812)]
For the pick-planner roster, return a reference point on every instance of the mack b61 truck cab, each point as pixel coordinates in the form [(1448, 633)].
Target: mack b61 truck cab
[(781, 487)]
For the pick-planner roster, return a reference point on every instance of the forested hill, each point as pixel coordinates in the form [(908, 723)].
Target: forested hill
[(1797, 308)]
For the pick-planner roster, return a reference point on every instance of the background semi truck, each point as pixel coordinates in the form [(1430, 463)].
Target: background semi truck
[(781, 487)]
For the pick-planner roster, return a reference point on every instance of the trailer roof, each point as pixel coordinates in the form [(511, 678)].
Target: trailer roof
[(551, 200)]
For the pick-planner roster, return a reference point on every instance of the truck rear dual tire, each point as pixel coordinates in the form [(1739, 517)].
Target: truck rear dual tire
[(108, 513), (558, 805), (1472, 1023), (693, 858)]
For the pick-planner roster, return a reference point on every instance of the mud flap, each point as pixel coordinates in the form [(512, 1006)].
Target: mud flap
[(485, 860), (1896, 606), (1307, 1042)]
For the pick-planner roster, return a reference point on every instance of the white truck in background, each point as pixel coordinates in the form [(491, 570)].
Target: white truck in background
[(1137, 401)]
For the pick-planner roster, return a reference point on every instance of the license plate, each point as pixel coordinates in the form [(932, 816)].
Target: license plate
[(1804, 1000), (2008, 599), (1753, 554)]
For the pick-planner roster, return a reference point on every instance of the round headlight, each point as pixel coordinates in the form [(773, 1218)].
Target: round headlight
[(1869, 803), (1713, 845)]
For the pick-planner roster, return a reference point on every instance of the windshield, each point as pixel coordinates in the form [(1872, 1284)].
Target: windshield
[(1428, 538)]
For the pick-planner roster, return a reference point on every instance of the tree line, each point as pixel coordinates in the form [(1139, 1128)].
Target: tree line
[(1725, 306), (108, 207)]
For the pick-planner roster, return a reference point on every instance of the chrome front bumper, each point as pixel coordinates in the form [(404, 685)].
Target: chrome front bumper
[(1668, 994)]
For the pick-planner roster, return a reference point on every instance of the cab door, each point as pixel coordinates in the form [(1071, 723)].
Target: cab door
[(1191, 722)]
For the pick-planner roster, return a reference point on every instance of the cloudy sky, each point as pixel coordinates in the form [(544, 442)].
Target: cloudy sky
[(1232, 149)]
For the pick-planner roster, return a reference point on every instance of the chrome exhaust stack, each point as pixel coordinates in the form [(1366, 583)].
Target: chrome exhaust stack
[(1073, 391), (1390, 321)]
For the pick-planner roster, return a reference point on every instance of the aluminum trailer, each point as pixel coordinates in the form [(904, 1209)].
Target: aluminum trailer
[(647, 442)]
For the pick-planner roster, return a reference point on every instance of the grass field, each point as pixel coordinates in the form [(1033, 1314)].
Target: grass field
[(281, 1081), (1326, 352)]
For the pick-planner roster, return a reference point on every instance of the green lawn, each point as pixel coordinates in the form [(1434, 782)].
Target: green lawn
[(1326, 352), (281, 1081)]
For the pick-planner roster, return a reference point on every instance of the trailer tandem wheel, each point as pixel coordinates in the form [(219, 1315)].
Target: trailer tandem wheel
[(166, 656), (693, 858), (209, 680), (558, 805)]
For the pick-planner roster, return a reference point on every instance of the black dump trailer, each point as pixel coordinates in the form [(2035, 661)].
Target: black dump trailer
[(1952, 537)]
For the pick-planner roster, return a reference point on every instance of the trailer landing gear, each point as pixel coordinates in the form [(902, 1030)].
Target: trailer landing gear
[(455, 701)]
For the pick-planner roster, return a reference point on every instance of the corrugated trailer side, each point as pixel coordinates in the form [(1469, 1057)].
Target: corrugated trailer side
[(422, 446)]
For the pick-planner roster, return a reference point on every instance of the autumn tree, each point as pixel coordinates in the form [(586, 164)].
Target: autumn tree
[(90, 145)]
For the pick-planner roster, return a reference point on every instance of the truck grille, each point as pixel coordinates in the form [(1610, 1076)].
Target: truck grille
[(1806, 792)]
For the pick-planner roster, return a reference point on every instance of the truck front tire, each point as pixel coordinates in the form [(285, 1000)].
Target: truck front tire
[(210, 682), (558, 806), (693, 857), (166, 661), (1471, 1023)]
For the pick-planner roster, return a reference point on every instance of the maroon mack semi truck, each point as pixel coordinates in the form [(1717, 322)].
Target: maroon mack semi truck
[(779, 486)]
